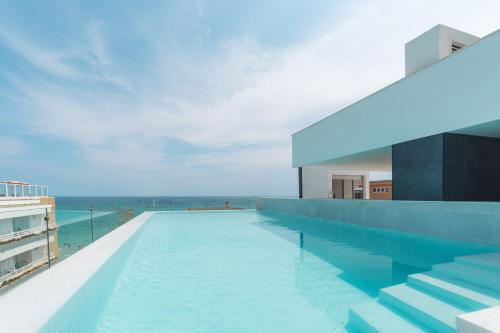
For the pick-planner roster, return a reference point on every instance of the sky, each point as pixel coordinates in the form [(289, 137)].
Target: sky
[(192, 97)]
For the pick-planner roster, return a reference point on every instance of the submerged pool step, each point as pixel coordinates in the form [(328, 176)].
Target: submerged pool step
[(466, 295), (430, 302), (475, 275), (488, 261), (421, 307), (373, 317)]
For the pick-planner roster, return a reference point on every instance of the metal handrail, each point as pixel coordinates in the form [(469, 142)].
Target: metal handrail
[(22, 269), (22, 233), (25, 191)]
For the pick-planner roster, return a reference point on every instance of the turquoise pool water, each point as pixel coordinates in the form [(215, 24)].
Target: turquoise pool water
[(73, 216), (246, 272)]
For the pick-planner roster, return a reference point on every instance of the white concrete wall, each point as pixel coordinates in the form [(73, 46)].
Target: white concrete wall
[(33, 296), (482, 321), (315, 183), (422, 51), (11, 212), (433, 45), (374, 176), (458, 92)]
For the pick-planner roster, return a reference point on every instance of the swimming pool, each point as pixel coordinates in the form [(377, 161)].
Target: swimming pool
[(246, 271)]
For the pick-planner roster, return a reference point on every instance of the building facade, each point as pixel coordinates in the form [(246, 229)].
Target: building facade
[(436, 131), (381, 190), (28, 237)]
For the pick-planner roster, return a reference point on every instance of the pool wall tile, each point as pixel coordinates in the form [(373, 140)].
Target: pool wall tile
[(466, 221)]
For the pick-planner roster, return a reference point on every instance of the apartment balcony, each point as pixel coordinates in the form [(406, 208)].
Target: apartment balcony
[(21, 270), (23, 234), (20, 222), (12, 249)]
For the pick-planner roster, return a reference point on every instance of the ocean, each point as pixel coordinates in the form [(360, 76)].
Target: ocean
[(73, 214)]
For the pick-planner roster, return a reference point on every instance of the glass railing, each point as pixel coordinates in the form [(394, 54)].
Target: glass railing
[(78, 226), (82, 220), (23, 190)]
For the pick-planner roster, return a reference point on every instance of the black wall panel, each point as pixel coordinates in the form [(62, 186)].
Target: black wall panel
[(450, 167)]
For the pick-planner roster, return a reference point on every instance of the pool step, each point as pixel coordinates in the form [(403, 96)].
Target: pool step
[(488, 261), (464, 294), (432, 312), (430, 302), (373, 317), (485, 278)]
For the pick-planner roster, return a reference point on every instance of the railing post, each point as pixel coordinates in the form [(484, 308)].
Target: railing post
[(48, 235), (91, 223)]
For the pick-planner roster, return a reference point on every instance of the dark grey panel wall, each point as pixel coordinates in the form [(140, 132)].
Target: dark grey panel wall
[(471, 168), (301, 188), (450, 167), (417, 169), (453, 167)]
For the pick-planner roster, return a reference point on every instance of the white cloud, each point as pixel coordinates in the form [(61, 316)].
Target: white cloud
[(50, 61), (245, 94)]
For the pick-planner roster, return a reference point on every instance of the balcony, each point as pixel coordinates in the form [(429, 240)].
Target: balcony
[(21, 270), (14, 189), (22, 234)]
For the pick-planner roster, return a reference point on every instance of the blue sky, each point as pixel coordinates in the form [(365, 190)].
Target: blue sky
[(192, 97)]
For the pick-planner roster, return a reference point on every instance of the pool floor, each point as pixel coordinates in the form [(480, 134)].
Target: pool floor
[(247, 272)]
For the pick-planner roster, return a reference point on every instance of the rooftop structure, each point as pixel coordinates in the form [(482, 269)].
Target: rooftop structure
[(434, 129), (27, 229)]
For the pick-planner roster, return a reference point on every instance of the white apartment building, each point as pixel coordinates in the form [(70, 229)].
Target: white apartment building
[(26, 213)]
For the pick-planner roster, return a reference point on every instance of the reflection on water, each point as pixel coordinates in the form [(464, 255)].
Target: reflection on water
[(369, 258)]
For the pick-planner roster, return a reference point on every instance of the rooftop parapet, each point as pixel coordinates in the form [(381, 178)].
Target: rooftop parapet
[(16, 189), (434, 45)]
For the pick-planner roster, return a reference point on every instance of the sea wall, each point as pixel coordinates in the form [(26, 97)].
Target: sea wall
[(466, 221)]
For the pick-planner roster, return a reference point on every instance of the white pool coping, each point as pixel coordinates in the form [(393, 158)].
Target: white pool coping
[(482, 321), (28, 306)]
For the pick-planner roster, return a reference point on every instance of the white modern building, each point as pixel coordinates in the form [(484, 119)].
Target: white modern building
[(27, 230), (434, 131)]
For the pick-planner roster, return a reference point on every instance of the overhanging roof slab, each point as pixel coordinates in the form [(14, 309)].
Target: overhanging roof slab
[(460, 91)]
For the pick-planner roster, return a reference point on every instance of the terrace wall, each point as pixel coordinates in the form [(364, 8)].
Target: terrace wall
[(465, 221)]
